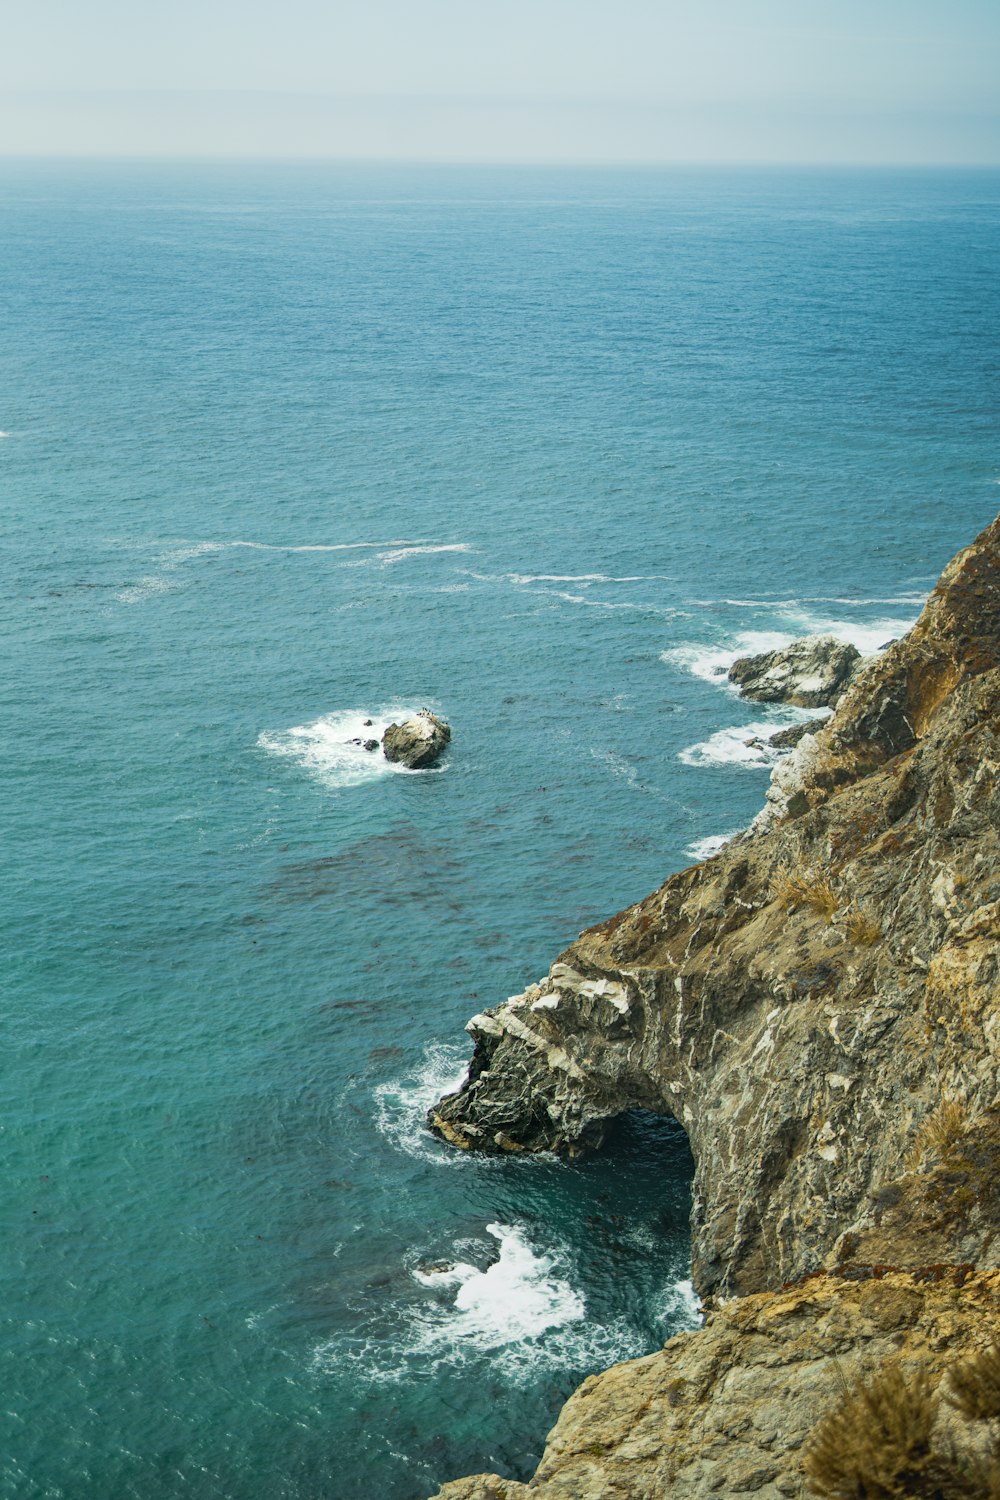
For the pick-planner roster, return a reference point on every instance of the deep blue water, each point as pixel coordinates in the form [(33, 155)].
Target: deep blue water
[(287, 447)]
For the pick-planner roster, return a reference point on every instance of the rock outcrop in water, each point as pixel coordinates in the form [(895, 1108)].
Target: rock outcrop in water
[(810, 674), (417, 742), (819, 1005)]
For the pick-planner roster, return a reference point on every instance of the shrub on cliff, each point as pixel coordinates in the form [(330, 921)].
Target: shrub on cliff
[(885, 1440)]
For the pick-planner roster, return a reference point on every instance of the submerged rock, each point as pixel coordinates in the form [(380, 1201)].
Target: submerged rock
[(418, 742), (810, 673)]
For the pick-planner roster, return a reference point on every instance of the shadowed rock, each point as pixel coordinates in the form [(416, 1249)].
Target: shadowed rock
[(787, 739)]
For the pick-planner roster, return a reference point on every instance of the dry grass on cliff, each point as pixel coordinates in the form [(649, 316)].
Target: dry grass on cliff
[(861, 926), (880, 1442), (975, 1386), (940, 1133), (806, 886), (877, 1442)]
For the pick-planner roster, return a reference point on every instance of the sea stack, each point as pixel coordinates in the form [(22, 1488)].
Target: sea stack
[(418, 742)]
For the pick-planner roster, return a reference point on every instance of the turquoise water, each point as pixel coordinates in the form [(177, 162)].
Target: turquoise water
[(289, 447)]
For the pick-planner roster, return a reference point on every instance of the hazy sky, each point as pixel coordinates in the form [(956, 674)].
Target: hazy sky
[(548, 80)]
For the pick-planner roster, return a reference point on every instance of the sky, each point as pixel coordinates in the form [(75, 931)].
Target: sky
[(894, 81)]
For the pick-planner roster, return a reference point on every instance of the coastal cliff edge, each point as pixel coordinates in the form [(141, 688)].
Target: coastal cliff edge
[(818, 1005)]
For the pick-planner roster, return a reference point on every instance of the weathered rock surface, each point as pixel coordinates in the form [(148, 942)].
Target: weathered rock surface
[(729, 1410), (819, 1005), (811, 673), (417, 742)]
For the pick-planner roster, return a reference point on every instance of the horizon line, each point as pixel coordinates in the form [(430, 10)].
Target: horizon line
[(590, 163)]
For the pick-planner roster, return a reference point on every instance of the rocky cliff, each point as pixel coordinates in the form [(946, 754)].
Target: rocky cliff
[(819, 1006)]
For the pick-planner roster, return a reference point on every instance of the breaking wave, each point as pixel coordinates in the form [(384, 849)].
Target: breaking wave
[(704, 848), (518, 1297), (521, 1316), (712, 662), (328, 748), (790, 620), (742, 745), (401, 1106)]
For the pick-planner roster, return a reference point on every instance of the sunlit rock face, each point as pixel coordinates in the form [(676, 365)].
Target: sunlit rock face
[(418, 742)]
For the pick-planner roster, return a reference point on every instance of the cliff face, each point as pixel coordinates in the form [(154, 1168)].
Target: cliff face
[(729, 1410), (819, 1005)]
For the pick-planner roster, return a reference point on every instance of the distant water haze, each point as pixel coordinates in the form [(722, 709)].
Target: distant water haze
[(900, 81)]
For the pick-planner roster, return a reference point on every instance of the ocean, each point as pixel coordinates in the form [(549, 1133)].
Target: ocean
[(290, 447)]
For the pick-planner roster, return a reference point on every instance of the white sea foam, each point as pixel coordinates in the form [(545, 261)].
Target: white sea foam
[(734, 747), (7, 434), (642, 608), (399, 554), (625, 771), (619, 766), (183, 551), (143, 589), (401, 1106), (866, 636), (917, 599), (324, 747), (584, 578), (520, 1296), (187, 549), (522, 1315), (704, 848), (713, 662), (679, 1308)]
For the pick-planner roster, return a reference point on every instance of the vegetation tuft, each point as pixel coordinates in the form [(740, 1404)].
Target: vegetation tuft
[(861, 926), (876, 1443), (975, 1386), (807, 886), (880, 1443), (941, 1132)]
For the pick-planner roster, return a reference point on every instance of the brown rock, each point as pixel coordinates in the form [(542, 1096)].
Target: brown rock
[(417, 742), (803, 1039)]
